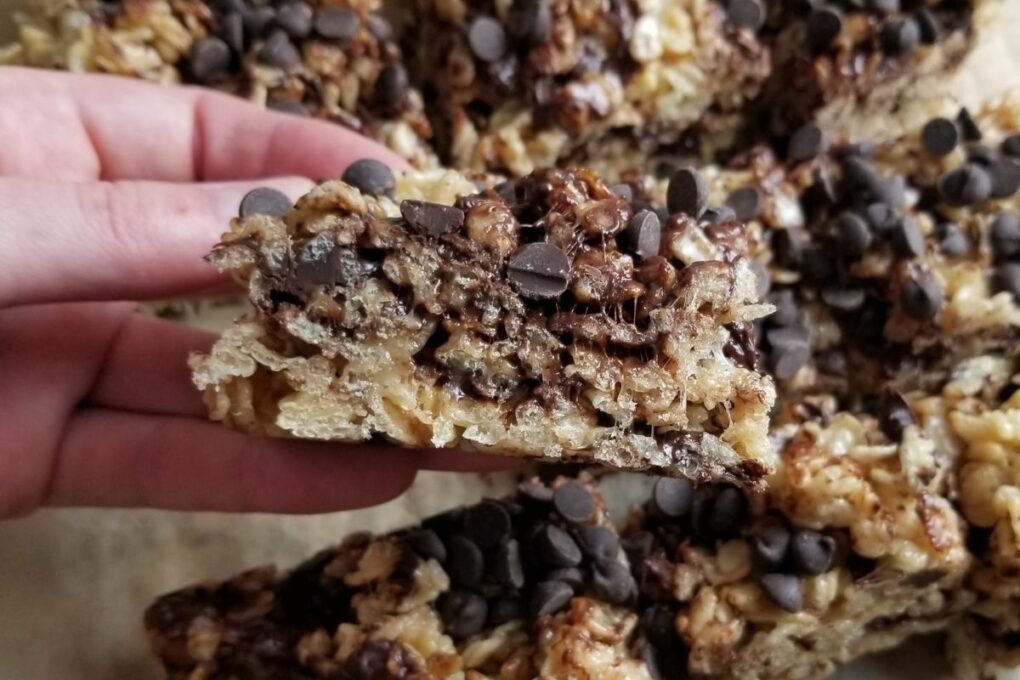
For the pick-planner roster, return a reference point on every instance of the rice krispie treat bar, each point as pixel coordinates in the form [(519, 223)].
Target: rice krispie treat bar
[(546, 317), (530, 587), (335, 60)]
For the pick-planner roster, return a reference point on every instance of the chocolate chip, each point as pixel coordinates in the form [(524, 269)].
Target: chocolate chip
[(557, 548), (1011, 146), (785, 590), (464, 562), (823, 25), (550, 597), (887, 6), (786, 308), (508, 567), (1004, 235), (530, 20), (433, 219), (573, 502), (638, 546), (906, 238), (392, 85), (572, 576), (463, 613), (982, 155), (770, 539), (687, 193), (854, 235), (289, 106), (894, 415), (672, 497), (599, 543), (533, 491), (966, 185), (940, 136), (644, 234), (748, 14), (319, 262), (968, 126), (952, 240), (209, 60), (763, 280), (921, 297), (371, 177), (727, 513), (231, 30), (623, 191), (1005, 174), (613, 582), (504, 610), (487, 39), (746, 203), (539, 271), (843, 299), (882, 218), (279, 51), (380, 27), (788, 246), (658, 623), (257, 20), (900, 36), (295, 18), (265, 201), (927, 25), (806, 143), (426, 544), (337, 23), (486, 523), (786, 360), (1007, 279), (817, 264), (369, 662), (720, 215), (788, 335), (812, 552)]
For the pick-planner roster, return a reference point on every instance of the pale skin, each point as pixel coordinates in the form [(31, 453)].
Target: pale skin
[(112, 190)]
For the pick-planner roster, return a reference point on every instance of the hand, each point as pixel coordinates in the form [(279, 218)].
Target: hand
[(112, 191)]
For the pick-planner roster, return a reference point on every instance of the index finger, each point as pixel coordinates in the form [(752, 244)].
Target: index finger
[(88, 127)]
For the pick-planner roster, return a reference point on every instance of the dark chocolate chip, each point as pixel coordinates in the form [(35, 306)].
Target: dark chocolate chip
[(823, 25), (638, 546), (572, 576), (940, 136), (812, 552), (613, 582), (1004, 235), (279, 51), (231, 30), (785, 590), (508, 567), (906, 238), (720, 215), (952, 240), (746, 203), (687, 193), (380, 27), (371, 177), (1005, 174), (320, 262), (623, 191), (843, 299), (540, 271), (289, 106), (672, 497), (787, 312), (295, 18), (392, 85), (265, 201), (464, 562), (433, 219), (887, 6), (1007, 279), (806, 143), (337, 23), (968, 126), (504, 610), (788, 246), (550, 597), (209, 60), (786, 360), (573, 502), (854, 235), (557, 548), (788, 335), (369, 662), (257, 20), (463, 613), (882, 218), (770, 539), (658, 622), (763, 280), (486, 523), (894, 415), (644, 234), (981, 154), (1011, 146), (928, 25), (727, 513), (817, 264), (426, 544), (892, 191), (487, 39), (900, 36), (748, 14), (533, 491), (966, 185), (599, 543), (530, 20), (921, 297)]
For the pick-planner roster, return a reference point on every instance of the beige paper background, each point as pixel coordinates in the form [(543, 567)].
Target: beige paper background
[(73, 583)]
